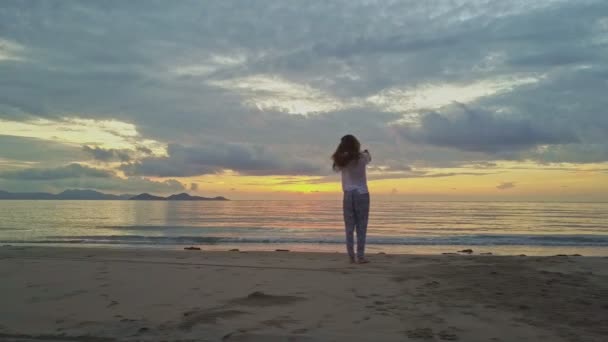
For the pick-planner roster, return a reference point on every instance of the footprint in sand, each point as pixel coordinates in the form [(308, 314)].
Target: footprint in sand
[(432, 284), (193, 318), (447, 336), (280, 322), (420, 333)]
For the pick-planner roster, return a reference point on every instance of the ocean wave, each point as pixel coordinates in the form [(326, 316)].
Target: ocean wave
[(472, 240)]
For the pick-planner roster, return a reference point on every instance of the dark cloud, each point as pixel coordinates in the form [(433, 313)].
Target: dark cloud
[(571, 153), (483, 131), (193, 186), (107, 155), (144, 150), (183, 161), (505, 186), (38, 150), (68, 171)]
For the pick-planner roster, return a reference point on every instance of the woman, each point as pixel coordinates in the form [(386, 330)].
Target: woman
[(351, 162)]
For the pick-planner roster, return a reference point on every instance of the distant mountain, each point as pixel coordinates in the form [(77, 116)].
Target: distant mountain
[(146, 197), (92, 195), (5, 195), (178, 197), (86, 195), (186, 197)]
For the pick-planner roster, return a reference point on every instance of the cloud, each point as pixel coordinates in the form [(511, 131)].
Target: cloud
[(268, 92), (570, 153), (68, 171), (532, 74), (483, 131), (184, 161), (194, 187), (107, 155), (505, 186), (109, 184), (431, 97), (38, 150), (103, 134), (384, 175), (10, 51), (423, 174)]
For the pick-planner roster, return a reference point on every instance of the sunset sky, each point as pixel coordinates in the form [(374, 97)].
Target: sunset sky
[(456, 100)]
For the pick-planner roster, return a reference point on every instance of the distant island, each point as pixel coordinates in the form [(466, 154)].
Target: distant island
[(179, 197), (92, 195)]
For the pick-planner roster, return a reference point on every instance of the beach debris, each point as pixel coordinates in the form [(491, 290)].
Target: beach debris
[(575, 255), (144, 329), (449, 253), (433, 283), (192, 248), (381, 253), (468, 251), (259, 298), (561, 255), (420, 333), (234, 250), (488, 253), (522, 255), (281, 250)]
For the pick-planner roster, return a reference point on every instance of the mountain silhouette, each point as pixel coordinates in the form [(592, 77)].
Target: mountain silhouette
[(147, 197), (186, 197), (178, 197), (92, 195)]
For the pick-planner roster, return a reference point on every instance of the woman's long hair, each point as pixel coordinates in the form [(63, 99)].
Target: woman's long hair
[(348, 150)]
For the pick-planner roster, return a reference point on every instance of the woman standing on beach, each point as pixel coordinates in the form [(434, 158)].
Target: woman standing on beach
[(351, 162)]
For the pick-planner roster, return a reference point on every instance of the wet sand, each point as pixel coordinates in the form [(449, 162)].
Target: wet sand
[(87, 294)]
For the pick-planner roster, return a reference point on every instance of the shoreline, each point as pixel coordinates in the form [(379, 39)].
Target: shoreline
[(101, 294), (426, 250)]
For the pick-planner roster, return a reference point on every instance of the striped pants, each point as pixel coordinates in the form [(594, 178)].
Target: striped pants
[(356, 212)]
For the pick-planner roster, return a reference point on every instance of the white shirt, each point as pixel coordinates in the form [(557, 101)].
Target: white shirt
[(354, 176)]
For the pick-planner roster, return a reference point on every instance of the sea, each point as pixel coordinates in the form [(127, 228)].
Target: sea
[(503, 228)]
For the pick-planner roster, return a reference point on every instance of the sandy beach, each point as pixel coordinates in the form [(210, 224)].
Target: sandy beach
[(86, 294)]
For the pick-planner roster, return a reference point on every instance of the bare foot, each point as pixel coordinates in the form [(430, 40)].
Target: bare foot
[(362, 261)]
